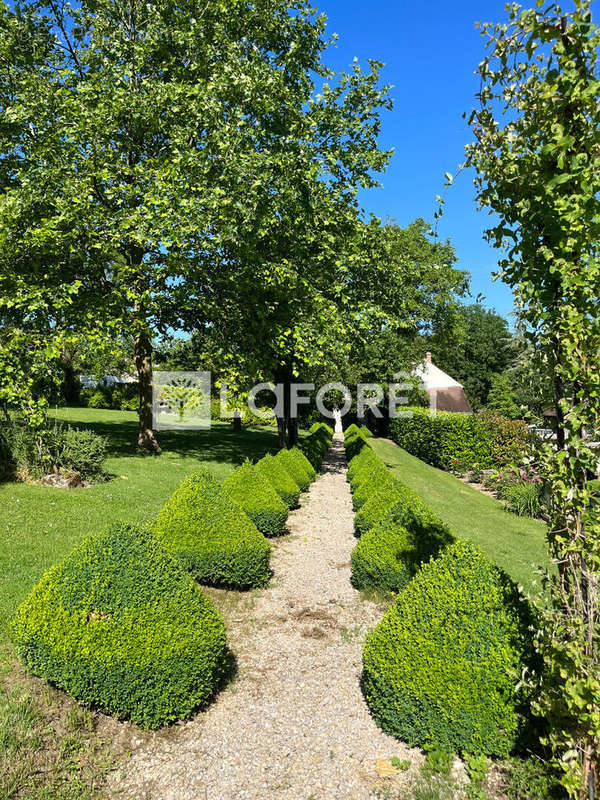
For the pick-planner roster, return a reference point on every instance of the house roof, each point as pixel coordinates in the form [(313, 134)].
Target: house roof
[(433, 377)]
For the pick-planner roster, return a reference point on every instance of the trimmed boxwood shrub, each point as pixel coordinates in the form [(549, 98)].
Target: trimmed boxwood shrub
[(296, 470), (369, 481), (449, 440), (121, 626), (388, 555), (303, 462), (351, 430), (212, 536), (366, 456), (365, 431), (316, 444), (354, 444), (252, 491), (444, 663), (378, 505), (280, 479)]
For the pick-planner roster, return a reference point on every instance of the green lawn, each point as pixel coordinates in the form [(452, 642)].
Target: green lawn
[(39, 525), (516, 544)]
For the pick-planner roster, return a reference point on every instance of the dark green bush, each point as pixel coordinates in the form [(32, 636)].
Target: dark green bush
[(378, 505), (354, 444), (121, 626), (366, 456), (99, 400), (253, 492), (38, 451), (212, 536), (296, 470), (280, 479), (303, 462), (369, 481), (389, 554), (444, 663), (316, 444), (351, 430), (83, 451), (458, 442)]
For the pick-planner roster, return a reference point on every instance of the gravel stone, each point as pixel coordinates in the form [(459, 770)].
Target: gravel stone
[(293, 724)]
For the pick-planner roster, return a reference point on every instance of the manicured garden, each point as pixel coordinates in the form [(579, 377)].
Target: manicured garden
[(517, 544)]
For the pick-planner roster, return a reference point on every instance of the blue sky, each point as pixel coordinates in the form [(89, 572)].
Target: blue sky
[(430, 50)]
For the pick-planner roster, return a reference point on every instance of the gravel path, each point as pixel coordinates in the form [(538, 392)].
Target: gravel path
[(293, 725)]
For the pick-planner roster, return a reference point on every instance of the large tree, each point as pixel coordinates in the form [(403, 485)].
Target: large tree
[(472, 345), (147, 146), (537, 156)]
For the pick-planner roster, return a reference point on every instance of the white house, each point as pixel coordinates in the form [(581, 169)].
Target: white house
[(445, 394)]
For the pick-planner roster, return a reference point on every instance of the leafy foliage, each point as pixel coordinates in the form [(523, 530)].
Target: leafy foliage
[(253, 492), (444, 663), (449, 440), (297, 470), (211, 535), (536, 156), (121, 626), (280, 479)]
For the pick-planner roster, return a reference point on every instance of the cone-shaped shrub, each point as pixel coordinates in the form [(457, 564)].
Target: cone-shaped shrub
[(376, 479), (121, 626), (296, 470), (303, 461), (253, 492), (354, 445), (212, 536), (316, 445), (366, 456), (444, 663), (389, 554), (378, 505), (280, 479), (351, 430)]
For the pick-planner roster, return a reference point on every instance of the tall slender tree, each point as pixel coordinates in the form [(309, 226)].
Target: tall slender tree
[(537, 155)]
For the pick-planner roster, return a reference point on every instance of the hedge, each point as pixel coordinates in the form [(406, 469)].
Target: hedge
[(212, 536), (280, 479), (296, 470), (315, 445), (252, 491), (303, 461), (379, 504), (366, 456), (444, 663), (449, 440), (122, 627), (370, 480), (354, 444), (389, 554)]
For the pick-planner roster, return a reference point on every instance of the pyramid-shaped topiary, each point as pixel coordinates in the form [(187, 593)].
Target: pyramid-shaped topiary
[(211, 535), (445, 662), (296, 470), (253, 492), (300, 459), (120, 625), (280, 479)]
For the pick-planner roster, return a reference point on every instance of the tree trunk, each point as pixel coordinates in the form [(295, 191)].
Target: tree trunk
[(143, 362), (292, 431), (70, 385), (281, 429)]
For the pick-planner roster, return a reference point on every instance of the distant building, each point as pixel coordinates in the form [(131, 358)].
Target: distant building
[(90, 382), (445, 394)]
